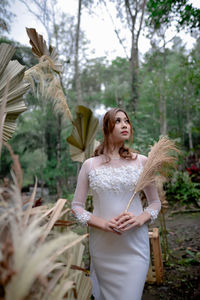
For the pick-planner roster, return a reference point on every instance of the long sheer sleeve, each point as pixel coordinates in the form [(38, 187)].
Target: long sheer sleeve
[(151, 192), (80, 195)]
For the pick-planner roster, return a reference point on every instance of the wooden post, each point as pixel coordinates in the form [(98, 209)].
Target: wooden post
[(155, 273)]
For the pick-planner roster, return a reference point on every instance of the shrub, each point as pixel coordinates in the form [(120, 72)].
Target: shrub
[(182, 189)]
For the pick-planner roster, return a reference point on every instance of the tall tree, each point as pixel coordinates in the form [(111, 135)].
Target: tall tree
[(131, 14), (135, 15), (76, 60)]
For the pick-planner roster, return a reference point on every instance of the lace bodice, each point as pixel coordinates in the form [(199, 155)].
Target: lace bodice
[(115, 179), (111, 180)]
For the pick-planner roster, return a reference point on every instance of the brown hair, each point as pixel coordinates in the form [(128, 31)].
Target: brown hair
[(108, 126)]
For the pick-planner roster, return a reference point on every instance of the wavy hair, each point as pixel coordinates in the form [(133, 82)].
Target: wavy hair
[(108, 126)]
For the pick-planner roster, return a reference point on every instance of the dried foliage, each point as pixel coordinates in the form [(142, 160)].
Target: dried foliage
[(44, 75), (82, 139), (35, 260), (16, 167), (3, 115), (161, 159), (12, 89)]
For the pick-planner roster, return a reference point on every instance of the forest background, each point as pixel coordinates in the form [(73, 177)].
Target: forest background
[(160, 89)]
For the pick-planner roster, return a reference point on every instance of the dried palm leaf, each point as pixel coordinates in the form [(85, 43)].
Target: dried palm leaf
[(83, 133), (12, 72), (30, 258), (16, 167), (59, 252), (33, 259), (30, 202), (39, 49), (160, 159), (44, 72), (84, 287), (3, 115), (54, 217), (81, 288)]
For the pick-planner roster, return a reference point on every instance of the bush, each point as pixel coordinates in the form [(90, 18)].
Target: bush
[(182, 189)]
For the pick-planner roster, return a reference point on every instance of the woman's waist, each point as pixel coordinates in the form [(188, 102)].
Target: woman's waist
[(110, 211)]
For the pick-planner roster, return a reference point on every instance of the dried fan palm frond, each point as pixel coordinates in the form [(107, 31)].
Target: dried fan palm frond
[(83, 133), (11, 77), (45, 73), (39, 49), (160, 159), (3, 115)]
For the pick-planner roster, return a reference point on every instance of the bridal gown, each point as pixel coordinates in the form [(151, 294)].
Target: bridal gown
[(119, 263)]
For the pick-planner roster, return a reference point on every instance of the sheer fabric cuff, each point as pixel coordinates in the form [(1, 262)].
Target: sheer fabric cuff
[(83, 217), (153, 213)]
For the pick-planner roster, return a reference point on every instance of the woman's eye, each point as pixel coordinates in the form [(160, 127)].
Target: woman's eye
[(127, 121), (117, 121)]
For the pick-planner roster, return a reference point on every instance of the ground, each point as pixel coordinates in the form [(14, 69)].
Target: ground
[(182, 270)]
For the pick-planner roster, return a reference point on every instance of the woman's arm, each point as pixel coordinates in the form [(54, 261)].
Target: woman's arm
[(127, 220), (78, 203)]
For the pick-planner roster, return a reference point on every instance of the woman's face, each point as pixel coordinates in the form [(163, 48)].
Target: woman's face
[(122, 129)]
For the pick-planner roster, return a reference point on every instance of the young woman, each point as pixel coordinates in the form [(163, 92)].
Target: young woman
[(119, 242)]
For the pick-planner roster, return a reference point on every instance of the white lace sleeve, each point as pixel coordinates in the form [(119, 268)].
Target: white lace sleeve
[(151, 192), (80, 195)]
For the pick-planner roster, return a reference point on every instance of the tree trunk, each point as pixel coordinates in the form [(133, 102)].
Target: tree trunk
[(134, 76), (135, 33), (163, 101), (163, 114), (189, 125), (76, 63)]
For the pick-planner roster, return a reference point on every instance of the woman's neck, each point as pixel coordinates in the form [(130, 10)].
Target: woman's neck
[(114, 153)]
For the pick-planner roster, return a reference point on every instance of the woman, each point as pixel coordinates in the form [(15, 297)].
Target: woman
[(119, 242)]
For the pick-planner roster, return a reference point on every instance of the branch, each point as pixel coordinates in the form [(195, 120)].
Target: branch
[(42, 18), (133, 17), (32, 12), (141, 19), (128, 7), (115, 29)]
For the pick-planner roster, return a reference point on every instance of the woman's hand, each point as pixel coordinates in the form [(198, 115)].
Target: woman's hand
[(111, 226), (108, 226), (128, 220)]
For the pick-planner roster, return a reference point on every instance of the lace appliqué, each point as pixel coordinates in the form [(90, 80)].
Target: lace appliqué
[(116, 179), (153, 213), (84, 217)]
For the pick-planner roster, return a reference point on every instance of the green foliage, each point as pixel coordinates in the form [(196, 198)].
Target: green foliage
[(190, 258), (161, 77), (181, 189), (164, 12), (104, 82)]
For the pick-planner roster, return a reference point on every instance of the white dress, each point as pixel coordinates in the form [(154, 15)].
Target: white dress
[(119, 263)]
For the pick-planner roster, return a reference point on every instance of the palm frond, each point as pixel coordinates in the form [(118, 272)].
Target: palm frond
[(39, 49), (11, 76), (83, 133), (45, 73)]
